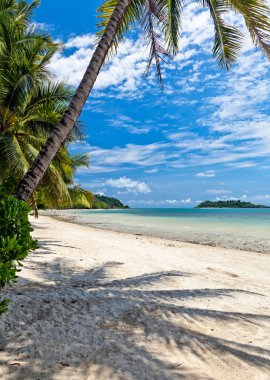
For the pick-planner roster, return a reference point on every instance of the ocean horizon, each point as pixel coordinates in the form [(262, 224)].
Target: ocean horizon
[(246, 229)]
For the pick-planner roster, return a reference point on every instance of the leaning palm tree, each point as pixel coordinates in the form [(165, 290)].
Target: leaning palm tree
[(116, 17)]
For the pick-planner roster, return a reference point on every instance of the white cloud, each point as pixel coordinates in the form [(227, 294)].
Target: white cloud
[(129, 185), (261, 198), (247, 164), (186, 201), (125, 70), (207, 174), (82, 41), (176, 202), (218, 191), (130, 155), (167, 202), (171, 201), (133, 126), (237, 130)]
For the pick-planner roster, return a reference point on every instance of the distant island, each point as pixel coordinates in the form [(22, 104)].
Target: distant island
[(104, 202), (229, 204)]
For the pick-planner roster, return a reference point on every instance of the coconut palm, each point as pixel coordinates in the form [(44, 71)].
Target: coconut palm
[(80, 198), (25, 131), (116, 17), (31, 104)]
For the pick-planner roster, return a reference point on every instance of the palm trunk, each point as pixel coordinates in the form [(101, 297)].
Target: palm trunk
[(61, 131)]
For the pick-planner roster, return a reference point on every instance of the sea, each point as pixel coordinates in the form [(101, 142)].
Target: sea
[(245, 229)]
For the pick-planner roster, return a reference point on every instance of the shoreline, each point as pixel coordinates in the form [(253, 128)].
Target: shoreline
[(197, 240), (96, 304)]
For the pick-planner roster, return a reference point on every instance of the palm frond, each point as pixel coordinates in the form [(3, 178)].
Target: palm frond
[(79, 161), (257, 18), (153, 15), (172, 28), (81, 198), (228, 39), (12, 155), (25, 9), (131, 16)]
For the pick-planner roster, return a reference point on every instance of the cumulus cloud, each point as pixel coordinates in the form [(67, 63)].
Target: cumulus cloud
[(175, 202), (186, 201), (125, 70), (129, 185), (82, 41)]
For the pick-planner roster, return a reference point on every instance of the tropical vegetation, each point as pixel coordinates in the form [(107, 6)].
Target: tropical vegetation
[(15, 241), (31, 102), (228, 204), (102, 201)]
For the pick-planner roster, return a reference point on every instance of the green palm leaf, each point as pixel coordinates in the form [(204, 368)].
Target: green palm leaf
[(228, 39), (257, 18)]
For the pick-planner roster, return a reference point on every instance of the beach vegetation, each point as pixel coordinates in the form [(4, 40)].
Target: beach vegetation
[(31, 103), (229, 204), (85, 199), (80, 198), (15, 241), (99, 205), (102, 201)]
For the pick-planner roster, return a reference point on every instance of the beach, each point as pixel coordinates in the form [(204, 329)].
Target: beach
[(245, 229), (100, 304)]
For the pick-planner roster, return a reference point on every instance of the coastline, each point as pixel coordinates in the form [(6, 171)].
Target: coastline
[(224, 237), (101, 304)]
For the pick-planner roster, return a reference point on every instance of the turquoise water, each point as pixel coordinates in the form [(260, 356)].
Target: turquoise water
[(238, 228)]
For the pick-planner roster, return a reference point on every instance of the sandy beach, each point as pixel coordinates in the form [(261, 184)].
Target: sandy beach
[(96, 304)]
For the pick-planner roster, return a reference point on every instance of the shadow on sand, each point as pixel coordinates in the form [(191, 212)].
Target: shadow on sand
[(86, 323)]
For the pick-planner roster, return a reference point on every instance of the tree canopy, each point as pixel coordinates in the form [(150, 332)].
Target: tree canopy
[(228, 204), (31, 102)]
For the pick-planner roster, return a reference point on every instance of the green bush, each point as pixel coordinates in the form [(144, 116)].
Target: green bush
[(15, 241)]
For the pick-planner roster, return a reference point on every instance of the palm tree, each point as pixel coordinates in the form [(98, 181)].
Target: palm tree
[(80, 198), (117, 16), (30, 105)]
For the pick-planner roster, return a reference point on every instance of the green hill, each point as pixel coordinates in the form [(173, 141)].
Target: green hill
[(229, 204), (101, 201)]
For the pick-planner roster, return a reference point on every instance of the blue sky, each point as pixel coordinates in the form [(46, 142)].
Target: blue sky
[(206, 136)]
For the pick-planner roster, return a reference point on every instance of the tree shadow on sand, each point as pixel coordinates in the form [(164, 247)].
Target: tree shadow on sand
[(85, 323)]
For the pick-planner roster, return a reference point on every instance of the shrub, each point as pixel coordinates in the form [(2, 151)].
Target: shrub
[(15, 241)]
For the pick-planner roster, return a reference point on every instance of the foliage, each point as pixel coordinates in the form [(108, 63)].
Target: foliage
[(228, 204), (100, 205), (103, 202), (85, 199), (15, 240), (160, 21), (80, 198), (31, 103)]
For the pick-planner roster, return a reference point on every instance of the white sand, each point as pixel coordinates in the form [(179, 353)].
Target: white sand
[(93, 304)]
